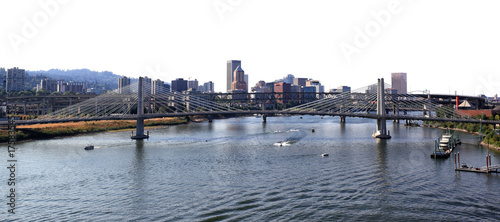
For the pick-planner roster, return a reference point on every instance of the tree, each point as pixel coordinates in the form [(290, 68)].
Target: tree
[(69, 93), (42, 92)]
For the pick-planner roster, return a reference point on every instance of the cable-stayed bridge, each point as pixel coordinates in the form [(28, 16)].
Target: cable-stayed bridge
[(136, 102)]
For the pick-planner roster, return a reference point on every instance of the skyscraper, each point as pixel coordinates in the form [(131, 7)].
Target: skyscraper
[(231, 66), (208, 87), (239, 84), (179, 85), (193, 85), (49, 85), (246, 80), (282, 87), (289, 79), (299, 81), (158, 87), (3, 74), (14, 80), (399, 82), (123, 85), (146, 83)]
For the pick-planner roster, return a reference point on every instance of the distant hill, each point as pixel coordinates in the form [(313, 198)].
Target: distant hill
[(94, 79)]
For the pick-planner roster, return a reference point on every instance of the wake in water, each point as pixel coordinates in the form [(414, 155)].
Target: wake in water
[(295, 136), (285, 143)]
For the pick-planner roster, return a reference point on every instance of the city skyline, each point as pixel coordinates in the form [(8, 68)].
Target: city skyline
[(339, 43)]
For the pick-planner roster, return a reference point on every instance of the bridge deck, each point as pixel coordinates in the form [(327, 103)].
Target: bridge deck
[(249, 112)]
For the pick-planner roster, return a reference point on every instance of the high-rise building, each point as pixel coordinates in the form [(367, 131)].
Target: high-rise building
[(3, 74), (193, 85), (124, 85), (166, 87), (239, 84), (76, 87), (282, 87), (158, 87), (231, 66), (299, 81), (343, 89), (146, 84), (289, 79), (294, 88), (208, 87), (317, 84), (14, 80), (399, 82), (246, 80), (49, 85), (179, 85)]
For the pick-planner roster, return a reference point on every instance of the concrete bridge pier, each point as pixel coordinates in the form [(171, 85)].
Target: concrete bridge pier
[(381, 132), (139, 135), (264, 118), (342, 119), (210, 118)]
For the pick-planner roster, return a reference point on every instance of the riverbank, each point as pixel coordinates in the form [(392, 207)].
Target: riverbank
[(48, 131), (492, 145)]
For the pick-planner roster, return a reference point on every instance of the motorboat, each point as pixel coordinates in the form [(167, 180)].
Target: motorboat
[(89, 147)]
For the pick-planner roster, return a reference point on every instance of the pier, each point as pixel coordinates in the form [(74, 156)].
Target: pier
[(486, 169)]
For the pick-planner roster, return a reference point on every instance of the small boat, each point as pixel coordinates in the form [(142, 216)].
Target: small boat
[(312, 130), (324, 154), (89, 147)]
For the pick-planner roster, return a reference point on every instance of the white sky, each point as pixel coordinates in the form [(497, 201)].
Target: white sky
[(443, 45)]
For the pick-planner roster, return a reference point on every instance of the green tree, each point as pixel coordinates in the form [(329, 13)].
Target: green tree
[(69, 93), (42, 92)]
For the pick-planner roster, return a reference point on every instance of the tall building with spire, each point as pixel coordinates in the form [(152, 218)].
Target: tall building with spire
[(231, 66), (239, 84)]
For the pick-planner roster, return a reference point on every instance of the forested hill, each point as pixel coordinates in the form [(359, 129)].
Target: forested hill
[(94, 79)]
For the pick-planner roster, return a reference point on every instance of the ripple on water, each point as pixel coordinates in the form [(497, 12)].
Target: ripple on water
[(229, 170)]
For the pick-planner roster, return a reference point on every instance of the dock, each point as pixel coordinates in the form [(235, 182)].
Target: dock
[(486, 169)]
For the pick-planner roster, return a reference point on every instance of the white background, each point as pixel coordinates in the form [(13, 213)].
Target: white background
[(443, 45)]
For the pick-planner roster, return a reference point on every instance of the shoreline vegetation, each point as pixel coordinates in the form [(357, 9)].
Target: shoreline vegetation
[(491, 139), (53, 130)]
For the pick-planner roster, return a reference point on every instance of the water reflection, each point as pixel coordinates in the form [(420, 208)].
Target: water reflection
[(342, 129), (138, 172)]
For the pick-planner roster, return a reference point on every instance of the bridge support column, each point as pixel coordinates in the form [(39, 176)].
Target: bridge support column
[(264, 118), (210, 118), (342, 119), (139, 135), (382, 132)]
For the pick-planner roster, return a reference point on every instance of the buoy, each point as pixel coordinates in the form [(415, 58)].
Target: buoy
[(324, 154)]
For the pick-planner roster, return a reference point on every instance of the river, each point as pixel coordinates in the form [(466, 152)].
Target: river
[(236, 170)]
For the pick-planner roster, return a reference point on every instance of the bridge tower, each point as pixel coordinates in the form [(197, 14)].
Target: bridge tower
[(139, 135), (382, 132)]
